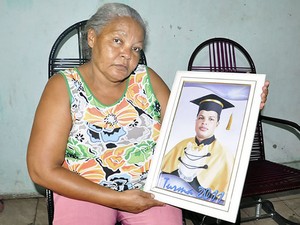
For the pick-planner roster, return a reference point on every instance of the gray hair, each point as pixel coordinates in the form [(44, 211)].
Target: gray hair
[(105, 14)]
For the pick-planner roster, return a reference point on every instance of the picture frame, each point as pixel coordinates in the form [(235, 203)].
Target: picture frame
[(189, 173)]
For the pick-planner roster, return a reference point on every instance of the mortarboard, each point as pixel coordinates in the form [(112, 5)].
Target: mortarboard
[(212, 102)]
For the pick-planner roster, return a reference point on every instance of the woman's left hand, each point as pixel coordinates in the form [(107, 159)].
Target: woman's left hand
[(264, 94)]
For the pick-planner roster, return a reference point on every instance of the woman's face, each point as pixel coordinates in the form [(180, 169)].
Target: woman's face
[(116, 50), (205, 125)]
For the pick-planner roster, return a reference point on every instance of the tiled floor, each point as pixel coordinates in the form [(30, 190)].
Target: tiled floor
[(33, 211)]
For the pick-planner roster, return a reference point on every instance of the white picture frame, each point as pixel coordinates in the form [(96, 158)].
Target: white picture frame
[(243, 90)]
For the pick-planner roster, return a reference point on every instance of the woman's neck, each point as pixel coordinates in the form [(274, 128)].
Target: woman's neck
[(106, 91)]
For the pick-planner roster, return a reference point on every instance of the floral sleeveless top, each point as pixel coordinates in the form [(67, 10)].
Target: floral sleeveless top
[(112, 145)]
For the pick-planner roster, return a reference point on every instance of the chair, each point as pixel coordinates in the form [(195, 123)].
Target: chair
[(263, 176), (71, 38)]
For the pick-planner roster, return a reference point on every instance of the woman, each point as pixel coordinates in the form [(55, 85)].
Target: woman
[(72, 153), (95, 129)]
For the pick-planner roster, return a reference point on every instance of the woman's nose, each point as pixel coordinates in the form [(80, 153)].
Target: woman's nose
[(126, 53)]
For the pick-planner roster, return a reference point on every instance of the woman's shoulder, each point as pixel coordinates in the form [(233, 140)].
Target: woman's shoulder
[(55, 80), (160, 88), (72, 74), (56, 88)]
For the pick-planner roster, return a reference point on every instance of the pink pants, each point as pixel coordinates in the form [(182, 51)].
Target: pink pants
[(74, 212)]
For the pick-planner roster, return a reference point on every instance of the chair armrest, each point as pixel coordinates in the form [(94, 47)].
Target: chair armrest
[(280, 121), (50, 205)]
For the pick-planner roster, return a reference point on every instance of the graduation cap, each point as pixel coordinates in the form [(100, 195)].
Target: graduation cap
[(215, 103)]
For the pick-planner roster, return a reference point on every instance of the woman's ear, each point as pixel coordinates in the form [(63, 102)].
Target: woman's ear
[(91, 37)]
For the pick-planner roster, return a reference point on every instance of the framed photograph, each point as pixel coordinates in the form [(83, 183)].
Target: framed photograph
[(202, 155)]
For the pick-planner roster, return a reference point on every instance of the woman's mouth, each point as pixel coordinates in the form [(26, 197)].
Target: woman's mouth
[(121, 67)]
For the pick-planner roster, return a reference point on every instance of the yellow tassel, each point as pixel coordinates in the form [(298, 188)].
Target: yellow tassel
[(229, 123)]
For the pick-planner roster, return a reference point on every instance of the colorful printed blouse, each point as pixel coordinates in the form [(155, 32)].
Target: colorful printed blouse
[(112, 145)]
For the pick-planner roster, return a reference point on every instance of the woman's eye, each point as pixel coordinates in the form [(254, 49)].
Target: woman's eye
[(136, 49), (117, 40)]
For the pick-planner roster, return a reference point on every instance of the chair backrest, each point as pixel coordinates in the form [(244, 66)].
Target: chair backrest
[(71, 37), (221, 55), (225, 55), (71, 49)]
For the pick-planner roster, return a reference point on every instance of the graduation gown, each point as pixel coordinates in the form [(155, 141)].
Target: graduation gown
[(219, 164)]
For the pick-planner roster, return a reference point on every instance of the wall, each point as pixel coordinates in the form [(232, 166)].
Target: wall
[(269, 30)]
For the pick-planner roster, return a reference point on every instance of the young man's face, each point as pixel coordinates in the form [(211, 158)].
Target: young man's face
[(205, 125)]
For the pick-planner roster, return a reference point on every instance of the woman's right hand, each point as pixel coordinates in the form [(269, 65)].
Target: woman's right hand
[(136, 201)]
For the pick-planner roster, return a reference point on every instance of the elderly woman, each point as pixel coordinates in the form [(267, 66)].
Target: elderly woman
[(96, 127)]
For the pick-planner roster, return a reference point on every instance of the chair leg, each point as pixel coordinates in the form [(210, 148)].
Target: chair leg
[(268, 207), (1, 204), (270, 212)]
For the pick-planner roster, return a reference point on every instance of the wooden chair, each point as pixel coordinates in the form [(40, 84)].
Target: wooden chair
[(71, 39), (263, 176)]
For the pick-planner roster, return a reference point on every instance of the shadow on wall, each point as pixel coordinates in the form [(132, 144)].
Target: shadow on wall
[(41, 190)]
